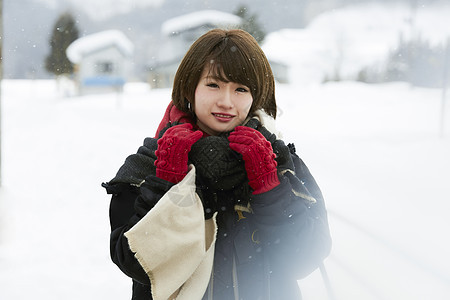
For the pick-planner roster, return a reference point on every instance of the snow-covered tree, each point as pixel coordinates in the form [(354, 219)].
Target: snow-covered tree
[(250, 23), (416, 61), (65, 31)]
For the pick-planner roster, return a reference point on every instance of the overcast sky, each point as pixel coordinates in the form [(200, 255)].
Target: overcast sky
[(103, 8)]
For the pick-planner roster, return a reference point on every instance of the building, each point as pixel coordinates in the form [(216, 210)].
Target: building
[(178, 35), (102, 61)]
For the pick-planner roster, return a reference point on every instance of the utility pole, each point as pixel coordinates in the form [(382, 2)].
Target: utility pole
[(1, 79), (444, 88)]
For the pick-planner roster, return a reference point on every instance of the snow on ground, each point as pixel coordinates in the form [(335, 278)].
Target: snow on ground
[(374, 149)]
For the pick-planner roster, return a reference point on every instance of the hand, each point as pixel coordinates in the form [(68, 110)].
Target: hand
[(173, 150), (259, 159)]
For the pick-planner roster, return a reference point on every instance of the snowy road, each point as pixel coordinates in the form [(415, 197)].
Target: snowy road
[(374, 149)]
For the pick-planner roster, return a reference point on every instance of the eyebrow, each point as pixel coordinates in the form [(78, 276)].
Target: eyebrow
[(216, 77)]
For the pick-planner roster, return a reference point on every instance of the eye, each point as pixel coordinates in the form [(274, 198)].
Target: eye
[(242, 90), (212, 85)]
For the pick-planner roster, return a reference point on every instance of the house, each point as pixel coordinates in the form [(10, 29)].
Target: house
[(279, 69), (178, 35), (102, 61)]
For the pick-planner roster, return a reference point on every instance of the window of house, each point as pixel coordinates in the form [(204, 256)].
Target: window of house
[(105, 67)]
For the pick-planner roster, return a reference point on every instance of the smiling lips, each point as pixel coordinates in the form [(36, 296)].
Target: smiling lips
[(223, 117)]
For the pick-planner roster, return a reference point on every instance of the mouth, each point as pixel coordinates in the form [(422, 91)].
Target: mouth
[(223, 117)]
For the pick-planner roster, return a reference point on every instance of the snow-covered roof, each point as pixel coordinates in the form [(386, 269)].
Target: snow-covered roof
[(96, 41), (199, 18)]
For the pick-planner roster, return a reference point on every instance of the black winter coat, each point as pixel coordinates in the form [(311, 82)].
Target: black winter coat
[(283, 238)]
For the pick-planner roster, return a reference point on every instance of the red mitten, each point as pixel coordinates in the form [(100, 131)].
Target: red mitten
[(173, 150), (258, 156)]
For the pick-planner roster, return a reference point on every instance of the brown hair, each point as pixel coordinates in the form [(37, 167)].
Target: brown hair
[(234, 55)]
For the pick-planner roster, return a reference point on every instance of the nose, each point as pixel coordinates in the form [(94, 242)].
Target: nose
[(226, 99)]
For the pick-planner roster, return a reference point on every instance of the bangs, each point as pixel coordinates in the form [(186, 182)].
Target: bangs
[(228, 63)]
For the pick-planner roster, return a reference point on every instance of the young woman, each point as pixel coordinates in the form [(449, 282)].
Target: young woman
[(216, 205)]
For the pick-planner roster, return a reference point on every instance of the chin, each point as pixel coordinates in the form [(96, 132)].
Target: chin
[(226, 129)]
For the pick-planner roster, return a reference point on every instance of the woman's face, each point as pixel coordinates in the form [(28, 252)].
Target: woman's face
[(220, 106)]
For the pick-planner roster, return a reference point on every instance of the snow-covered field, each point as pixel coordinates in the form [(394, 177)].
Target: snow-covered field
[(376, 151)]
